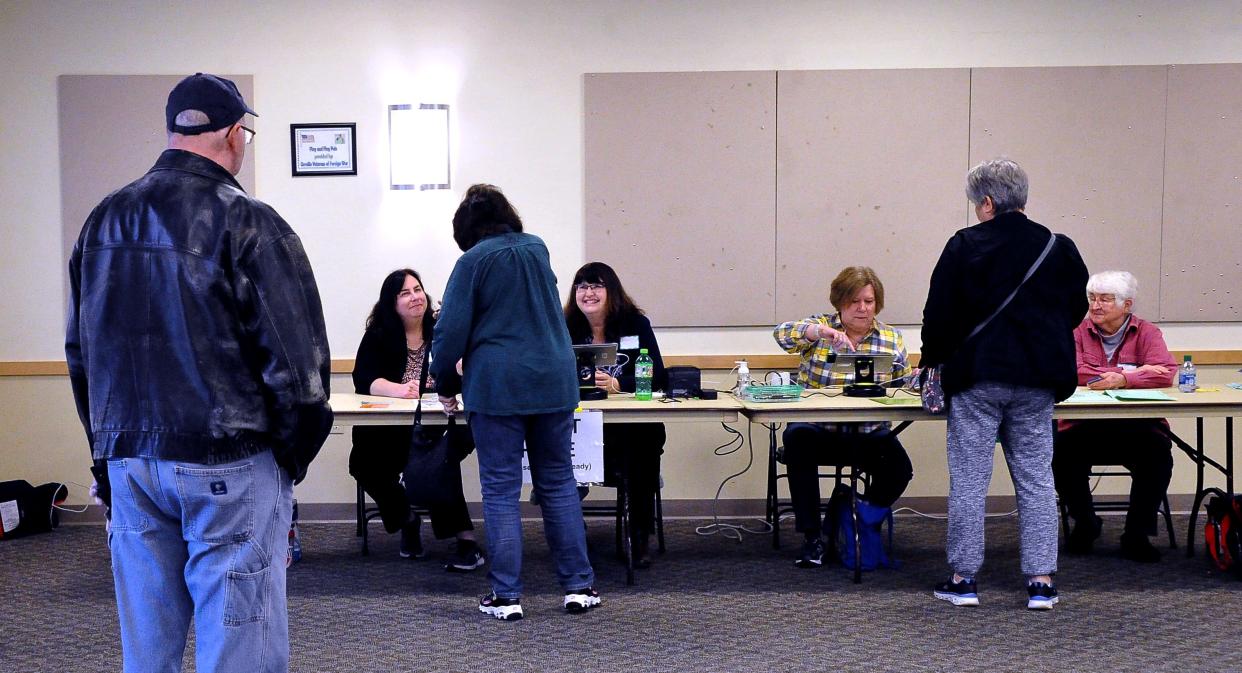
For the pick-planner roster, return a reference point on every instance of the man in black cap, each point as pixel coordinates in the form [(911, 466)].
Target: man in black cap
[(199, 362)]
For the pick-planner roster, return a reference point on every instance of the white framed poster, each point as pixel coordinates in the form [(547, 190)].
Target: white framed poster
[(323, 149)]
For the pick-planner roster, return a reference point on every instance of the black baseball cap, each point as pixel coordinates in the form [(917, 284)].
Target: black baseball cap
[(216, 97)]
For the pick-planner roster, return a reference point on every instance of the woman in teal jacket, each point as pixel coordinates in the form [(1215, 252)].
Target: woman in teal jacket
[(502, 320)]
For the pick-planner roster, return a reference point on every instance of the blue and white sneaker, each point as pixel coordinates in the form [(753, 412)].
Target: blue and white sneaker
[(963, 593), (1041, 596)]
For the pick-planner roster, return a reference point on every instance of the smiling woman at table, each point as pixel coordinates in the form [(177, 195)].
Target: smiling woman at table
[(599, 310), (1116, 349), (858, 296), (389, 362)]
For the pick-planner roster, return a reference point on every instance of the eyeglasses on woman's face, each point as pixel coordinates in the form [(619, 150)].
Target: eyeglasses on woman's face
[(590, 287), (1101, 299)]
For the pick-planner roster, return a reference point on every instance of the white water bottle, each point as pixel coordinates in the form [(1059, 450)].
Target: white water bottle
[(1187, 378), (743, 376)]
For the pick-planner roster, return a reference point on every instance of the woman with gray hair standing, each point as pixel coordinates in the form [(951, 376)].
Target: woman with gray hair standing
[(1116, 349), (1000, 315)]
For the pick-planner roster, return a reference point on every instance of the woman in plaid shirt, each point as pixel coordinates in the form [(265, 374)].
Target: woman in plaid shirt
[(858, 296)]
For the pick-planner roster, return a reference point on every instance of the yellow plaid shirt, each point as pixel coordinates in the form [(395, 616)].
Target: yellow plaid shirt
[(815, 369)]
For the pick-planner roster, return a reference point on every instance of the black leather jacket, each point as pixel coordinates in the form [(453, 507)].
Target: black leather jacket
[(195, 331)]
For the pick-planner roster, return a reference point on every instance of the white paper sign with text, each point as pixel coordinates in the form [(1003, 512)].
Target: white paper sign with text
[(586, 449)]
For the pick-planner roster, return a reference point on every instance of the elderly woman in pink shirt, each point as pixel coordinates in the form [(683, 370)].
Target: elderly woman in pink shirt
[(1116, 349)]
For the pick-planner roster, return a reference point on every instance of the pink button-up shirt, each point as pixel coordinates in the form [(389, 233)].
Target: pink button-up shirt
[(1143, 344)]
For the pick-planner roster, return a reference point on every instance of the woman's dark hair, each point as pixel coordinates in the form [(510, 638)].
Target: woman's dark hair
[(619, 302), (384, 316), (484, 211)]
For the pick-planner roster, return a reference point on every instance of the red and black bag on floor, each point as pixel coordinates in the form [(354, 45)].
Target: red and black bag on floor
[(1223, 531)]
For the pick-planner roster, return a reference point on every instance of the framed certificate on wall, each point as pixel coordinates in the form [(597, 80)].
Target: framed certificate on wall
[(323, 149)]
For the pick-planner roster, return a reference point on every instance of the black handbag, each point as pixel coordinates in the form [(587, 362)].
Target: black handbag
[(433, 472)]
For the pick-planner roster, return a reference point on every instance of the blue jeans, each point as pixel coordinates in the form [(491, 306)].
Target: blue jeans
[(547, 438), (201, 541)]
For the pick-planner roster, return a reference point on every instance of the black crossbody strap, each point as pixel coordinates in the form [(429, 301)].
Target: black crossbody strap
[(422, 384), (1029, 272)]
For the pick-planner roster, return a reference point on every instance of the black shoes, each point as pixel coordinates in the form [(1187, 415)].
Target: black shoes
[(504, 609), (640, 547), (1081, 539), (412, 540), (963, 593), (1041, 596), (467, 557), (581, 600), (812, 554), (1137, 547)]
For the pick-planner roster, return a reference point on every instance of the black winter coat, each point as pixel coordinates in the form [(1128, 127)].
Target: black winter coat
[(1031, 342)]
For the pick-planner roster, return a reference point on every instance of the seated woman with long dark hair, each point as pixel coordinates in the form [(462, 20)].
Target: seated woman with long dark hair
[(389, 363), (599, 310)]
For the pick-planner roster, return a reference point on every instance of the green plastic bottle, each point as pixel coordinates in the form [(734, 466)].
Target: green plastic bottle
[(642, 375)]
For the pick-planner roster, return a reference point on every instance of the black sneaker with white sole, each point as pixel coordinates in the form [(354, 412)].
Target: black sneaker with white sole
[(581, 600), (467, 557), (504, 609), (1041, 596), (964, 593), (812, 554)]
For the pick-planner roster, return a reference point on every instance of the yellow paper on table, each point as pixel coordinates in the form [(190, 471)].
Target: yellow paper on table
[(896, 400), (1139, 395)]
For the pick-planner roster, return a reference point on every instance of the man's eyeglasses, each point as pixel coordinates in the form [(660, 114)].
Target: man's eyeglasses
[(583, 287), (248, 134)]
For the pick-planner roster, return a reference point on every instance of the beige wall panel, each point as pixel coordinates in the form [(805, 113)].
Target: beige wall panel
[(112, 129), (869, 172), (679, 200), (1092, 142), (1201, 267)]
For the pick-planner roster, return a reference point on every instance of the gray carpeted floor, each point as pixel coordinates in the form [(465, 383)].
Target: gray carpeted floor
[(709, 604)]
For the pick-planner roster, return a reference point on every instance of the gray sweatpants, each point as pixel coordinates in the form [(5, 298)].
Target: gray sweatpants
[(1021, 418)]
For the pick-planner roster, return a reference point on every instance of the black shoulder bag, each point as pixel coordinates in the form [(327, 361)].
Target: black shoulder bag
[(433, 472), (931, 390)]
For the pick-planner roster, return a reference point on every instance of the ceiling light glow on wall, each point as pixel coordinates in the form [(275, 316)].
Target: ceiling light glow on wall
[(418, 146)]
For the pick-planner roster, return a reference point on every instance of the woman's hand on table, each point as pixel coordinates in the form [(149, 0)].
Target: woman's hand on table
[(1108, 381), (386, 388)]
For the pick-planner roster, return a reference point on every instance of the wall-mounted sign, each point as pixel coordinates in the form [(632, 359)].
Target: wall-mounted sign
[(323, 149)]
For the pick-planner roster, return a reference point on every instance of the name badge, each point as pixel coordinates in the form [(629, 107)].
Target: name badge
[(629, 343)]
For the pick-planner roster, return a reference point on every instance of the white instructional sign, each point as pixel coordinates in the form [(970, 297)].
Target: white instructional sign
[(586, 450)]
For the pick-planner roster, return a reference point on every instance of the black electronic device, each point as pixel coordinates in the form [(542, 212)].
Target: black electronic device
[(587, 357), (864, 384), (684, 382)]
